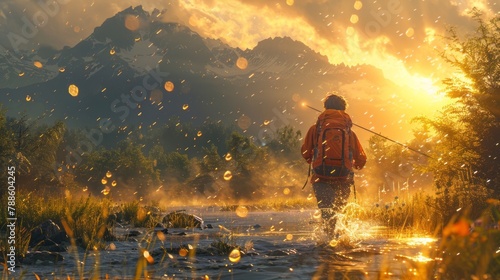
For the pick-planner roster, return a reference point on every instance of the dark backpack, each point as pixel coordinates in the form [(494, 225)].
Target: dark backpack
[(332, 158)]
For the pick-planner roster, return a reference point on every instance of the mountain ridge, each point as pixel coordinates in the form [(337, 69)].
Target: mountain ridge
[(120, 57)]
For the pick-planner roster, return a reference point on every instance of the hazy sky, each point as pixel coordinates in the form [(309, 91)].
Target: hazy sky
[(399, 36)]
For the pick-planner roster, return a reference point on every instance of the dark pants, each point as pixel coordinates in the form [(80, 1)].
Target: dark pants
[(332, 197)]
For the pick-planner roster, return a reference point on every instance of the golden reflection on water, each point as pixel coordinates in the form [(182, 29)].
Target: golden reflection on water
[(420, 240)]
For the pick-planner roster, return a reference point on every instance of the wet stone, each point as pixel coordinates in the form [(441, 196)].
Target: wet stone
[(49, 232), (42, 257), (132, 233), (277, 253)]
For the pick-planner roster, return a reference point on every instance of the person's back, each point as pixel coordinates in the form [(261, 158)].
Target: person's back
[(333, 150)]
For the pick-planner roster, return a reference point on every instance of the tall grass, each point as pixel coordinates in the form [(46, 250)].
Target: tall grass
[(83, 219), (139, 215)]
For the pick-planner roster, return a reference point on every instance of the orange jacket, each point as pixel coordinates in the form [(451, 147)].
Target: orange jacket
[(359, 156)]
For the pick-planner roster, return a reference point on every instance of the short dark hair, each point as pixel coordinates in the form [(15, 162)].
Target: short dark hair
[(333, 101)]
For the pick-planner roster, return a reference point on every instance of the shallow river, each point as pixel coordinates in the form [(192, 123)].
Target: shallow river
[(275, 245)]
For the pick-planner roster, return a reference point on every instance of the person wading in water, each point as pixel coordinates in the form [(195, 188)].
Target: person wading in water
[(333, 150)]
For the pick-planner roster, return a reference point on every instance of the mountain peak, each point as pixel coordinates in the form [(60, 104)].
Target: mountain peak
[(284, 47)]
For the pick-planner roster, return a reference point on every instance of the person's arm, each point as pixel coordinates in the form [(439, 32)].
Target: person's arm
[(359, 155), (307, 149)]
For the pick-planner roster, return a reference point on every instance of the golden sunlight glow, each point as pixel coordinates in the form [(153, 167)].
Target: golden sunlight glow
[(415, 241), (240, 32), (430, 35), (421, 259)]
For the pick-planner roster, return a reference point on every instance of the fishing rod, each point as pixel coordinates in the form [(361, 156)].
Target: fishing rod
[(378, 134)]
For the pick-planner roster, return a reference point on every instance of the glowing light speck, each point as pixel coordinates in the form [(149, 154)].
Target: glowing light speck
[(289, 237), (333, 243), (169, 86), (28, 98), (38, 64), (354, 19), (109, 174), (73, 90), (228, 175), (235, 256), (104, 181), (185, 107), (132, 23), (244, 122), (62, 69), (286, 191), (228, 157), (21, 74), (410, 32), (148, 256), (105, 191), (156, 96), (317, 214), (290, 2), (358, 5), (242, 63), (183, 252), (114, 183), (199, 134), (241, 211), (161, 235)]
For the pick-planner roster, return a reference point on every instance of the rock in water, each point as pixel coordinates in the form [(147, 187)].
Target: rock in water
[(180, 219), (47, 232), (42, 257)]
